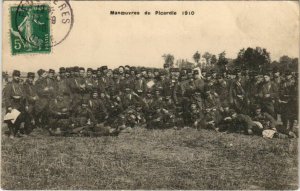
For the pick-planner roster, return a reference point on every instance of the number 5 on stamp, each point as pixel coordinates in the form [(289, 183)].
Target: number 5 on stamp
[(30, 29)]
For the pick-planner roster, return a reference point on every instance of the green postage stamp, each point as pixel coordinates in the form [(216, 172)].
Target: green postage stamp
[(30, 29)]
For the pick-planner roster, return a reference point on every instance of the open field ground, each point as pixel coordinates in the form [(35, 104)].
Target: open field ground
[(149, 159)]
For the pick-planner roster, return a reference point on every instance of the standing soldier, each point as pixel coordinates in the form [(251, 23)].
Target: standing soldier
[(63, 84), (277, 80), (268, 95), (31, 98), (52, 83), (13, 97), (288, 99), (45, 92), (237, 94)]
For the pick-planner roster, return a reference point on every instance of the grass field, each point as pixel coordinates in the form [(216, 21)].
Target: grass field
[(150, 159)]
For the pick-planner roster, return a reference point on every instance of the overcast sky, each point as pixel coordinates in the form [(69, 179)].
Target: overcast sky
[(99, 38)]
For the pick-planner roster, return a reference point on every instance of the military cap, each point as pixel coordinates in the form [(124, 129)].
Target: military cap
[(275, 69), (62, 70), (76, 69), (71, 69), (166, 65), (219, 76), (41, 72), (51, 71), (89, 70), (288, 72), (253, 73), (266, 73), (115, 71), (162, 73), (16, 73), (237, 70), (174, 69), (127, 66), (143, 69), (68, 70), (30, 75), (195, 72), (94, 90), (183, 72), (189, 70), (81, 68), (103, 68), (132, 68), (94, 71), (208, 73), (257, 106)]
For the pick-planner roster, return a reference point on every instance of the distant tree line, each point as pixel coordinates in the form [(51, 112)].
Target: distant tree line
[(257, 59)]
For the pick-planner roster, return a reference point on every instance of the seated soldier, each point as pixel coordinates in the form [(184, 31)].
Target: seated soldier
[(97, 107), (262, 120), (83, 118), (241, 123), (59, 115), (225, 118), (196, 116)]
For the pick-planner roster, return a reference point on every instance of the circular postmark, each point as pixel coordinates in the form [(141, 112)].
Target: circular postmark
[(45, 23)]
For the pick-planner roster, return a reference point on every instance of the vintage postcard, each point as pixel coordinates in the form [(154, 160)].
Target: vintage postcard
[(172, 95)]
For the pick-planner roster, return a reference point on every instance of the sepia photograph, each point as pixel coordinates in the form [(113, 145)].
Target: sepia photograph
[(149, 95)]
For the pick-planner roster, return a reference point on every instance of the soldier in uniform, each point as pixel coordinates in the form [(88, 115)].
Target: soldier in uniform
[(262, 120), (237, 94), (268, 95), (14, 98), (63, 84), (59, 115), (31, 98), (140, 85), (45, 92), (288, 99), (83, 118), (97, 107)]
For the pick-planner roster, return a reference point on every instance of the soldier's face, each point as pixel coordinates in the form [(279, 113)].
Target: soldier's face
[(51, 75), (277, 74), (193, 107), (109, 73), (30, 80), (89, 73), (288, 77), (16, 78), (81, 73), (44, 75), (258, 111), (95, 95), (62, 74), (121, 70), (267, 78)]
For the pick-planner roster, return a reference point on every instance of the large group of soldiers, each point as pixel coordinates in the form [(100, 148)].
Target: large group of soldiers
[(106, 101)]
